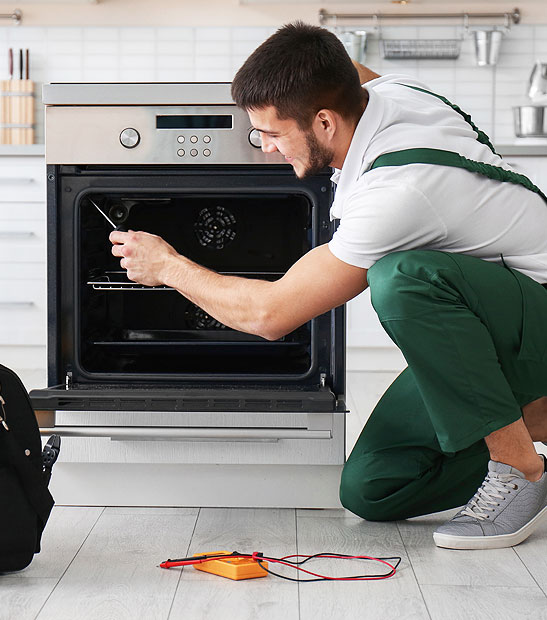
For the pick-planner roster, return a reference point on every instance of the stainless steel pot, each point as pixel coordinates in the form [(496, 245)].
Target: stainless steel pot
[(530, 121)]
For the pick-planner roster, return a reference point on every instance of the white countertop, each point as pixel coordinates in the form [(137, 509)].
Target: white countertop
[(531, 147), (524, 146), (22, 149)]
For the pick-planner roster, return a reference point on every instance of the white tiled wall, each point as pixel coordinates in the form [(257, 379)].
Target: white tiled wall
[(94, 54)]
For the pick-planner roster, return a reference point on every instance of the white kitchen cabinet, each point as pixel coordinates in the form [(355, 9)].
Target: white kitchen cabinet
[(533, 166), (23, 306)]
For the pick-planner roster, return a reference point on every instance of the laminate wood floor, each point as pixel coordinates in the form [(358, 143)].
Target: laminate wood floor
[(101, 563)]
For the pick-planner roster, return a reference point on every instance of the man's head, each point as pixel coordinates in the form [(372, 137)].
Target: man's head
[(302, 92)]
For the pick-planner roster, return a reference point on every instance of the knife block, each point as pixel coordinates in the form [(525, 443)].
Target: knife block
[(16, 112)]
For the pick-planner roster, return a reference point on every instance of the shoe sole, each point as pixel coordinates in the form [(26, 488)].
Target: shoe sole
[(500, 541)]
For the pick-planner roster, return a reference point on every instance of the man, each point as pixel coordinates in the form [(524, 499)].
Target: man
[(454, 248)]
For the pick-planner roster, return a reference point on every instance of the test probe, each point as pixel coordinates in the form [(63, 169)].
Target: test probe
[(235, 565)]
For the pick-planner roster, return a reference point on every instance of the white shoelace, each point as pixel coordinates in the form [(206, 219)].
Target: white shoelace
[(486, 498)]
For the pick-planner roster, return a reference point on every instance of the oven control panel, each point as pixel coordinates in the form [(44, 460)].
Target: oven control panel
[(196, 145), (147, 134)]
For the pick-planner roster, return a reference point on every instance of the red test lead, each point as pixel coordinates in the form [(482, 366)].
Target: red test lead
[(237, 565)]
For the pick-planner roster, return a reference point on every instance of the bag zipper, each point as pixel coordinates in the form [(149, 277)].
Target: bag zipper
[(2, 420)]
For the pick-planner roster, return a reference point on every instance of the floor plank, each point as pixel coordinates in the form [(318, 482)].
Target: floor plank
[(204, 596), (115, 574), (23, 597), (486, 603), (533, 554), (449, 567), (396, 597), (65, 532)]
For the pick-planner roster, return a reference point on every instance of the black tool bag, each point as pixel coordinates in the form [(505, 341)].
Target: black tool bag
[(25, 502)]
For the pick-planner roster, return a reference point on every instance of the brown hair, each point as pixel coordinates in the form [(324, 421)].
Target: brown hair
[(300, 70)]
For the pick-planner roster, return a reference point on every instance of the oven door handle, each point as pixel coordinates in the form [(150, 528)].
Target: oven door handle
[(170, 433)]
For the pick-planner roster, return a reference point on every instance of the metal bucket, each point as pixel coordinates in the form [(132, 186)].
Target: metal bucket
[(355, 42), (487, 46), (530, 121)]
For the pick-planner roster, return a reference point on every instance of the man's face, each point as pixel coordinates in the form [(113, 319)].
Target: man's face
[(300, 148)]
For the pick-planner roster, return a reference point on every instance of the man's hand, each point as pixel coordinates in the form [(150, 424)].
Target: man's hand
[(144, 256)]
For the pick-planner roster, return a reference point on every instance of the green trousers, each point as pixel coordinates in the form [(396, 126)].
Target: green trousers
[(474, 335)]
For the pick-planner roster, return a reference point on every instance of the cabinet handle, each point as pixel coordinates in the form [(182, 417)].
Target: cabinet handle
[(17, 234), (16, 181), (158, 433), (16, 304)]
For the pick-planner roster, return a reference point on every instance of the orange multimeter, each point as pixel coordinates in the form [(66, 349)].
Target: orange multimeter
[(232, 568)]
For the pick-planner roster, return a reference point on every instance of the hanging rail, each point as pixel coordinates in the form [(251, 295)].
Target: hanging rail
[(324, 16), (15, 17)]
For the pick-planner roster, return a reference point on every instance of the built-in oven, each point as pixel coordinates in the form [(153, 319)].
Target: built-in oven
[(141, 375)]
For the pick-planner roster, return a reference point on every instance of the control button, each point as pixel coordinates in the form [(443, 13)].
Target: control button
[(180, 139), (193, 139), (206, 152), (130, 138), (193, 152), (207, 139), (254, 138), (180, 153)]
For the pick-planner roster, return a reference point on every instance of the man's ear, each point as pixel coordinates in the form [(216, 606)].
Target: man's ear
[(326, 123)]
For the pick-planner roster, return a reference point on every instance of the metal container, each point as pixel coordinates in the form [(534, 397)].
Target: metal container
[(537, 90), (487, 46), (530, 121), (355, 42)]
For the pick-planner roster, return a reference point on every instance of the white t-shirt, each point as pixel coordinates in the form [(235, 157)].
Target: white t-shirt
[(423, 206)]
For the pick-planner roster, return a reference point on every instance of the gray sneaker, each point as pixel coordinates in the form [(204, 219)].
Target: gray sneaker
[(504, 511)]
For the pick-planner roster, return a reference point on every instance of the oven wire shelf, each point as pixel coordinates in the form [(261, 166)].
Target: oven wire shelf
[(118, 281)]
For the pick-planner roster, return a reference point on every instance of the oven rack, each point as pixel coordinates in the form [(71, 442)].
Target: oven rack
[(114, 280)]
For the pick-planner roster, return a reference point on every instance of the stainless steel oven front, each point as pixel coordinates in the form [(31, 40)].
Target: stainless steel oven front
[(141, 377)]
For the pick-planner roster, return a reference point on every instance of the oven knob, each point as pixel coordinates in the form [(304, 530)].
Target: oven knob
[(254, 138), (130, 138)]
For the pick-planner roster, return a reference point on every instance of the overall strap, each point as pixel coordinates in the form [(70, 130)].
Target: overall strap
[(449, 158), (481, 136)]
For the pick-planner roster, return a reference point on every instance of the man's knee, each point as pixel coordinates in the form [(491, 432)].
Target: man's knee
[(364, 493)]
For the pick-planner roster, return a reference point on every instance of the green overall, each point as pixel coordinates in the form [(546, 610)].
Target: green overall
[(473, 335)]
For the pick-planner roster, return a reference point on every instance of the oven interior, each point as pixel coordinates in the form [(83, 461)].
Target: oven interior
[(129, 329)]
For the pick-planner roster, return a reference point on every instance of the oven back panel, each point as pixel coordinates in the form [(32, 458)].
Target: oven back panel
[(253, 222)]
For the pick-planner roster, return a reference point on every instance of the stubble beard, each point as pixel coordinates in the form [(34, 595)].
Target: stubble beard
[(319, 156)]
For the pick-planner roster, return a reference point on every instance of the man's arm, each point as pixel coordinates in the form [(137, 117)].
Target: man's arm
[(314, 284), (365, 74)]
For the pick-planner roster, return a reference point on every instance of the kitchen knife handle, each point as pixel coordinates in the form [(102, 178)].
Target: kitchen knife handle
[(10, 57)]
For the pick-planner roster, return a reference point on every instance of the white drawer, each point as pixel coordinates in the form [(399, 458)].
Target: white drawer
[(22, 312), (32, 379), (22, 211), (22, 180), (24, 271), (22, 241), (225, 445), (21, 359)]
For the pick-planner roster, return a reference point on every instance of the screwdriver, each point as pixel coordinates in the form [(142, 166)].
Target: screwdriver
[(120, 228)]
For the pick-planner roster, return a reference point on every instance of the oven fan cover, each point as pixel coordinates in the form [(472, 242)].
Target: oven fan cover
[(197, 318), (215, 228)]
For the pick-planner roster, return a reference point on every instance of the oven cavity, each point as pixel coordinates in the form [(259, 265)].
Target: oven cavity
[(129, 331)]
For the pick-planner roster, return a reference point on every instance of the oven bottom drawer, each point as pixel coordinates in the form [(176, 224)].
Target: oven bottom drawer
[(322, 444)]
